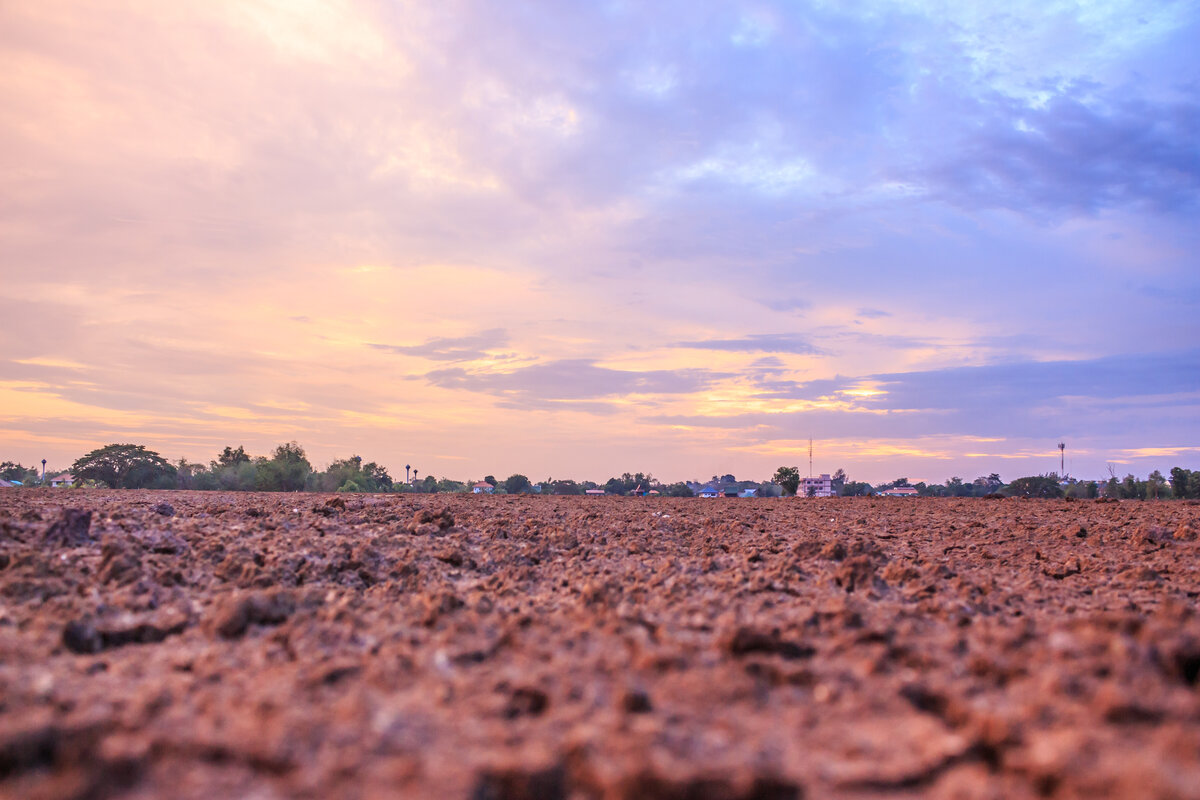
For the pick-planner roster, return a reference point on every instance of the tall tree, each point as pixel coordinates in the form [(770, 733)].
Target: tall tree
[(1179, 482), (125, 466), (517, 484), (788, 478), (231, 458), (287, 470)]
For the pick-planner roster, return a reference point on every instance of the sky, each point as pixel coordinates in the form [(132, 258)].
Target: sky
[(580, 239)]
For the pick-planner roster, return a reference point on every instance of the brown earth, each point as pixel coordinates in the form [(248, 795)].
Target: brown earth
[(201, 645)]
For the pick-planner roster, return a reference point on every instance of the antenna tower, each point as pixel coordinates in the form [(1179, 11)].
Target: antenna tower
[(1062, 454), (810, 456)]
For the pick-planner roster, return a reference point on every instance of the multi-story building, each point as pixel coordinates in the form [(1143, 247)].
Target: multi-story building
[(821, 486)]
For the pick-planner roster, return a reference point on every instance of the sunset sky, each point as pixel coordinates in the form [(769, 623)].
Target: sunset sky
[(579, 239)]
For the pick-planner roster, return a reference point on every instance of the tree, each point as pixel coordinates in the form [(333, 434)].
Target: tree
[(186, 474), (679, 490), (287, 471), (15, 472), (1131, 488), (492, 480), (856, 489), (1155, 484), (1180, 478), (1036, 486), (517, 484), (788, 478), (231, 458), (125, 466)]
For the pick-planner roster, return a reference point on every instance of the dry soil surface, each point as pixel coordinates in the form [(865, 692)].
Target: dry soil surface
[(203, 645)]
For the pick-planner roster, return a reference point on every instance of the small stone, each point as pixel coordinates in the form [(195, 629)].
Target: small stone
[(82, 637), (636, 701), (166, 509), (526, 701)]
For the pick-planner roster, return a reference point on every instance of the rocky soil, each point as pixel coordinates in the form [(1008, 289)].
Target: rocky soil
[(201, 645)]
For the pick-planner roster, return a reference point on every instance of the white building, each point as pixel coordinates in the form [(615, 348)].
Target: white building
[(821, 486)]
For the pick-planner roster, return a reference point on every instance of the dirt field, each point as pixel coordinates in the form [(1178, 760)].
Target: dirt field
[(203, 645)]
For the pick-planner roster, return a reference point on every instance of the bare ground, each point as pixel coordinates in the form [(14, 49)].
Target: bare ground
[(197, 645)]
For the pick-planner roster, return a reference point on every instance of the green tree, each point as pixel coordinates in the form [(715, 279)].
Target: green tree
[(231, 458), (517, 484), (1035, 486), (286, 471), (187, 474), (788, 478), (15, 472), (678, 490), (125, 466), (1179, 482), (856, 489)]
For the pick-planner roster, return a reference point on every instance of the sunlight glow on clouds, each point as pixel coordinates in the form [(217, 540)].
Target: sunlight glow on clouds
[(677, 237)]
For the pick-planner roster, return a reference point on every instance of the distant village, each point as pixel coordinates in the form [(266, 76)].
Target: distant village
[(287, 468)]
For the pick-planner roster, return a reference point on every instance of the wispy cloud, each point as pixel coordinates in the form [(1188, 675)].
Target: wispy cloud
[(757, 343), (459, 348), (571, 380)]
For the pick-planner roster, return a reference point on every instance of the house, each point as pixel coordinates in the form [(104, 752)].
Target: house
[(654, 492), (5, 484), (638, 491), (595, 492), (730, 491), (483, 487), (65, 479), (820, 486), (749, 493), (899, 491), (709, 491)]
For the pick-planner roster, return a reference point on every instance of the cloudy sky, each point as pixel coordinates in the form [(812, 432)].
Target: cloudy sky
[(576, 239)]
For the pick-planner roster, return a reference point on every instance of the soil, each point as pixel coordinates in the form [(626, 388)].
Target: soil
[(199, 645)]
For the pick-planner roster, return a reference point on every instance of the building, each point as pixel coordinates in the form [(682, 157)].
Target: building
[(5, 484), (595, 492), (899, 491), (821, 486), (65, 479), (709, 491), (483, 487)]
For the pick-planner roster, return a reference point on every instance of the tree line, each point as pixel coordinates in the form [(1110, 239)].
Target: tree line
[(287, 469)]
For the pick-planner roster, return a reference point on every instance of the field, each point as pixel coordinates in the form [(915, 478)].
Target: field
[(201, 645)]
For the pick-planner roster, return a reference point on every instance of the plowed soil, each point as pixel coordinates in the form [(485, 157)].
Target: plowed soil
[(204, 645)]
